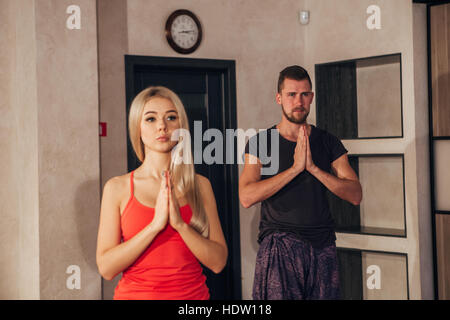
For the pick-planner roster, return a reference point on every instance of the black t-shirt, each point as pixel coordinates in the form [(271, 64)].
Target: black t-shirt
[(301, 206)]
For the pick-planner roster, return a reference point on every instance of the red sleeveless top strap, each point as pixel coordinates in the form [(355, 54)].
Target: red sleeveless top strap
[(167, 269)]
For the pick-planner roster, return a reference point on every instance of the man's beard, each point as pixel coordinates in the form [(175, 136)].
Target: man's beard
[(290, 118)]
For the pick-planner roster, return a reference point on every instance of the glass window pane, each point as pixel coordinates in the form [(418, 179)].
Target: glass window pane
[(442, 175), (443, 255)]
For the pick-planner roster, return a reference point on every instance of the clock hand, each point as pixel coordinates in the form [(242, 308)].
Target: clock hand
[(187, 31)]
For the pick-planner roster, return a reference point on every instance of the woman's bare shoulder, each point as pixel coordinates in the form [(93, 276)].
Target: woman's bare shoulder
[(204, 184), (202, 180), (118, 185)]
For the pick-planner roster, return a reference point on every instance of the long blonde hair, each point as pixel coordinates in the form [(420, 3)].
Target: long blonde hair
[(183, 172)]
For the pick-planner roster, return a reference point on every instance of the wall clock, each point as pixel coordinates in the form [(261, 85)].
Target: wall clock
[(183, 31)]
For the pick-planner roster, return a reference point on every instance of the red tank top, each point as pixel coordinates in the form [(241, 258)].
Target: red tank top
[(167, 269)]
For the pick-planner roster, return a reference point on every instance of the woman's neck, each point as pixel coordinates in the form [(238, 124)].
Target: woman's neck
[(154, 164)]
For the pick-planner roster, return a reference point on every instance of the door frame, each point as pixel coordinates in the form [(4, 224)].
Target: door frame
[(228, 67), (431, 140)]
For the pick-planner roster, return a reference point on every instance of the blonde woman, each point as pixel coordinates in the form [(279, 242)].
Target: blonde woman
[(159, 222)]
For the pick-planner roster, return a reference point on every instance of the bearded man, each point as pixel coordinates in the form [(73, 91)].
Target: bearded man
[(297, 255)]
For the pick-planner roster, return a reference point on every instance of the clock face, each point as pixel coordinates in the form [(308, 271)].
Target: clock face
[(183, 31)]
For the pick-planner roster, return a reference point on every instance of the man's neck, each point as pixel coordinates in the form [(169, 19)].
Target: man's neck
[(289, 130)]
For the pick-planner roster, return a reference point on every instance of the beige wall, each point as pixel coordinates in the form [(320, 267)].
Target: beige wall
[(19, 243), (67, 88), (8, 243), (50, 127), (378, 91), (52, 171), (112, 46), (383, 207), (393, 280)]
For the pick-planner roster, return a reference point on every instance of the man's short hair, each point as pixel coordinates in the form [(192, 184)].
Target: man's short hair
[(294, 73)]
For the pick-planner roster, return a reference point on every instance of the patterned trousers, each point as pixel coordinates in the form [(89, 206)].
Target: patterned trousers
[(288, 268)]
